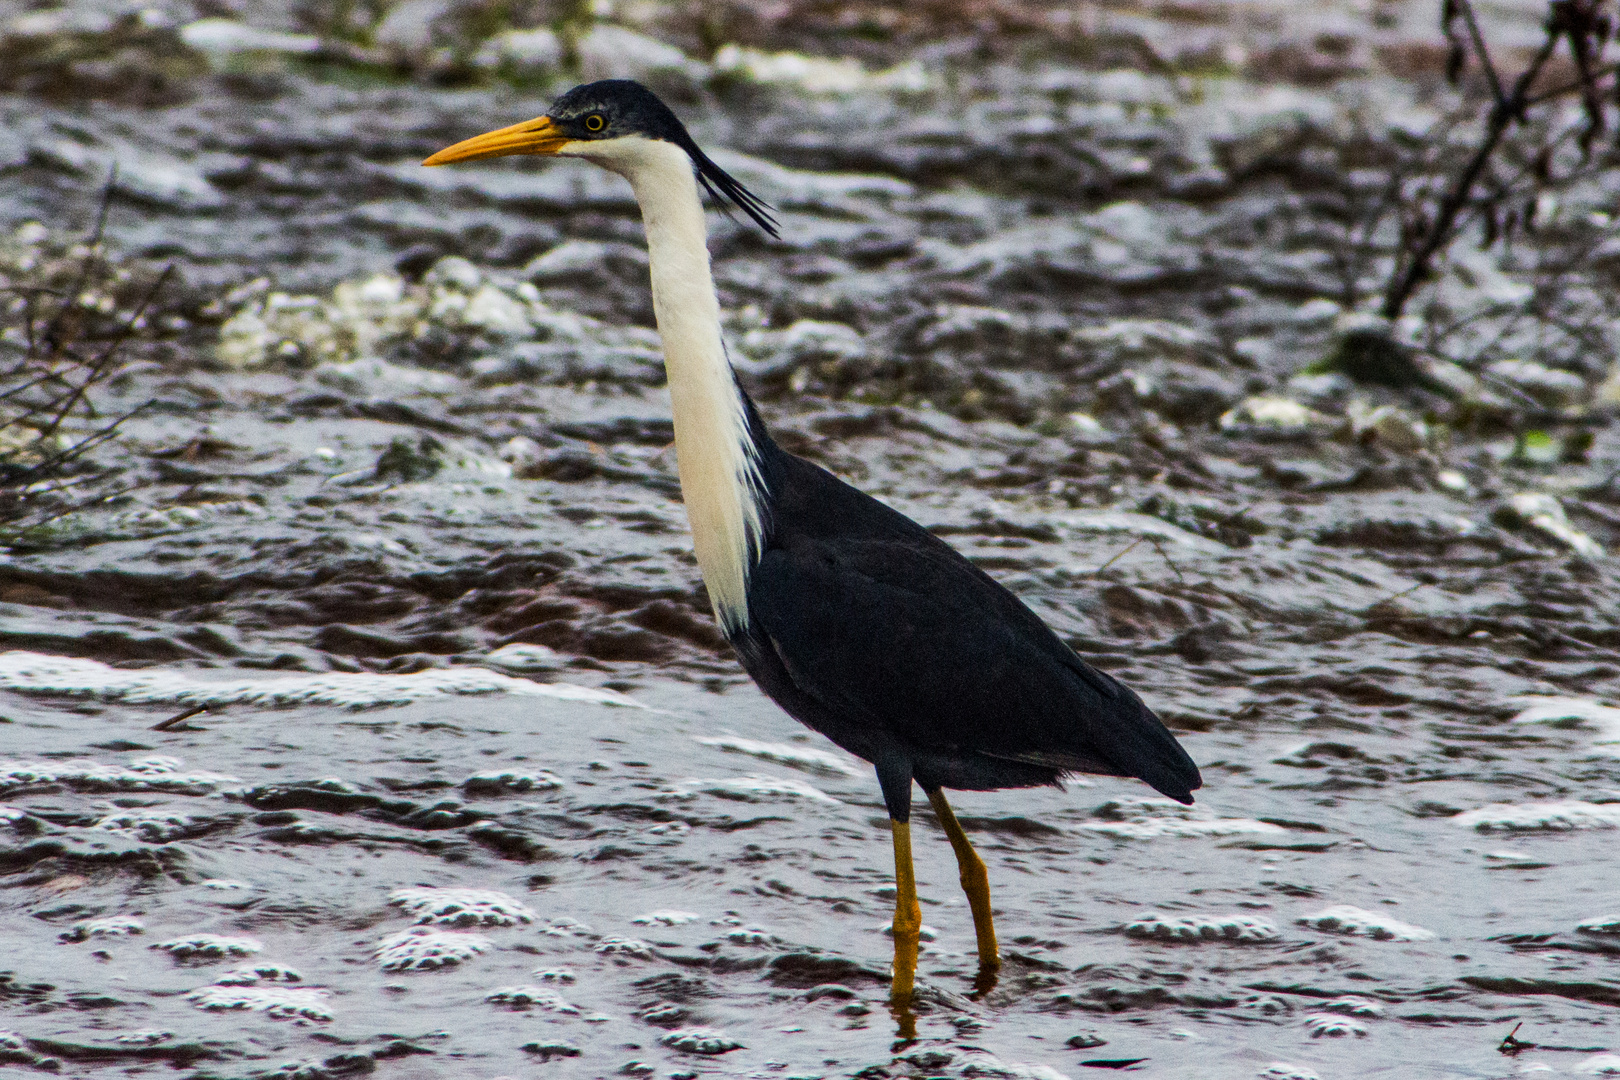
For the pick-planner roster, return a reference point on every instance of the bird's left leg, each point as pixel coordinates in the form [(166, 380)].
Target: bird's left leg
[(975, 882)]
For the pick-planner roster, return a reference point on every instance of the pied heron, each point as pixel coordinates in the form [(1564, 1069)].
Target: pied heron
[(858, 621)]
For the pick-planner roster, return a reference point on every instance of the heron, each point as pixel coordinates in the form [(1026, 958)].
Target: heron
[(856, 620)]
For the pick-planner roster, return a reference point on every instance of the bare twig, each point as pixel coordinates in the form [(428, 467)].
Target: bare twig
[(1134, 544), (91, 248), (1436, 218), (179, 718), (1165, 555)]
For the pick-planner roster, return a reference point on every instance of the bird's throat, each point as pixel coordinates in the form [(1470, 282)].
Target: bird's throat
[(719, 475)]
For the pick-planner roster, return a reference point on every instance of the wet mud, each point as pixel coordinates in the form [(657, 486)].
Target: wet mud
[(370, 719)]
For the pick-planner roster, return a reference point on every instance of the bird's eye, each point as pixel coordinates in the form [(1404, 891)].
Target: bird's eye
[(594, 122)]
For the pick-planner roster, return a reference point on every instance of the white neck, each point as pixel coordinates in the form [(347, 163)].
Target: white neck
[(720, 481)]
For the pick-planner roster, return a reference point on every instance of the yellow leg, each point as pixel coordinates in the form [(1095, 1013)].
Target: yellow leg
[(907, 918), (976, 883)]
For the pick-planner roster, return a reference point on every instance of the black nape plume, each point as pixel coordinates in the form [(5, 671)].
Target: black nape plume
[(726, 191)]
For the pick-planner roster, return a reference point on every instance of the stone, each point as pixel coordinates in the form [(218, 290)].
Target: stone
[(1275, 416), (1548, 386), (1389, 426), (1541, 511), (223, 39), (407, 30), (818, 74), (523, 53), (615, 52)]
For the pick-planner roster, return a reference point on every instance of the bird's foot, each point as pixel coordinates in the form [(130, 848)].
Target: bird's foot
[(906, 940)]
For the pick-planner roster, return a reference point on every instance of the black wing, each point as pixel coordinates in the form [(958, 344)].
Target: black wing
[(883, 623)]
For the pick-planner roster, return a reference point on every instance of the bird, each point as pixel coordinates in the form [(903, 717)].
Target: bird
[(857, 621)]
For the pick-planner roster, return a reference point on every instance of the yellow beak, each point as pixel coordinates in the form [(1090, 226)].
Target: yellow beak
[(539, 136)]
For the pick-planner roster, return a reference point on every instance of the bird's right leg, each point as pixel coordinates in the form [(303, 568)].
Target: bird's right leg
[(907, 916), (894, 775)]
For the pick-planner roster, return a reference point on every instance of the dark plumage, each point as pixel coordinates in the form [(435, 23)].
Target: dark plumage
[(873, 631)]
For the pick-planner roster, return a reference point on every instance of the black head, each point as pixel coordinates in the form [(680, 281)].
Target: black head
[(615, 108)]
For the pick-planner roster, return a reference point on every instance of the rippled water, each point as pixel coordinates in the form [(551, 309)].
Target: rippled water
[(476, 885)]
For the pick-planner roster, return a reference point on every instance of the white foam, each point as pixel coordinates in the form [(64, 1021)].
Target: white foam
[(1561, 816), (1602, 924), (253, 974), (509, 783), (154, 826), (1282, 1070), (422, 949), (1329, 1026), (1600, 1065), (1345, 919), (209, 946), (277, 1002), (68, 676), (556, 975), (563, 926), (666, 917), (752, 788), (625, 946), (461, 907), (158, 773), (531, 997), (798, 757), (142, 1038), (1352, 1005), (1195, 929), (1539, 709), (700, 1040), (1142, 819), (976, 1062), (112, 926)]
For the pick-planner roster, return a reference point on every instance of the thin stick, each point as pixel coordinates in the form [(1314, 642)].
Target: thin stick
[(1501, 117), (179, 718), (1467, 9), (72, 297), (1392, 597), (1133, 546), (1159, 547), (98, 366), (1560, 91)]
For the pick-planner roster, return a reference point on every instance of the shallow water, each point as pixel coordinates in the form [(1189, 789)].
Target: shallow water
[(1317, 907)]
